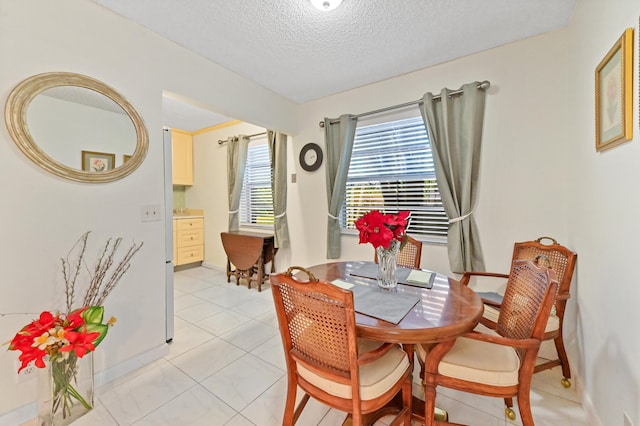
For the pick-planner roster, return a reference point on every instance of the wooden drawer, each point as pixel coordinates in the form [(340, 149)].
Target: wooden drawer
[(186, 224), (190, 254), (192, 237)]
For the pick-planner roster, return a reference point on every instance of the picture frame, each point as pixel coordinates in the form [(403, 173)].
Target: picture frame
[(125, 158), (97, 162), (614, 94)]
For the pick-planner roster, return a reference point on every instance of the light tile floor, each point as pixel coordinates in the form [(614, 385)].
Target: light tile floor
[(226, 367)]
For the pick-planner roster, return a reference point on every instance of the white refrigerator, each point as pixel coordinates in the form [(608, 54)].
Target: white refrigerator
[(168, 219)]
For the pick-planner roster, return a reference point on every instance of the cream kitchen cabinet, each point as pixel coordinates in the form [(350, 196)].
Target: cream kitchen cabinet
[(182, 157), (189, 240)]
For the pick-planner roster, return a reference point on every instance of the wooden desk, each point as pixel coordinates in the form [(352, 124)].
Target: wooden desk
[(248, 252), (444, 312)]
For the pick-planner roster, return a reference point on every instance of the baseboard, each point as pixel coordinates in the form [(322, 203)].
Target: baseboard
[(29, 411), (212, 266), (587, 404), (124, 368)]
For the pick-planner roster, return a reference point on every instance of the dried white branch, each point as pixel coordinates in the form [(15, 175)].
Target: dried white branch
[(103, 279), (70, 276)]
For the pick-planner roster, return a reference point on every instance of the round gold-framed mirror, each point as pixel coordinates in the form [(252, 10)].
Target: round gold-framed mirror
[(76, 127)]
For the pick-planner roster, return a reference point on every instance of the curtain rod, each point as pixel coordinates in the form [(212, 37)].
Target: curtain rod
[(235, 138), (484, 85)]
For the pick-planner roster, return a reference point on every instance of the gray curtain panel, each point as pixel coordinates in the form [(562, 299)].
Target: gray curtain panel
[(454, 124), (339, 144), (237, 148), (278, 153)]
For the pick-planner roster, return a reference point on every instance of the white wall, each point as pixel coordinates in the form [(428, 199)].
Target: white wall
[(44, 215), (210, 189), (523, 170), (540, 176), (602, 223), (520, 157)]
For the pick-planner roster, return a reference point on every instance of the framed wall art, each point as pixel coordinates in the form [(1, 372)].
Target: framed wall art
[(97, 161), (614, 94)]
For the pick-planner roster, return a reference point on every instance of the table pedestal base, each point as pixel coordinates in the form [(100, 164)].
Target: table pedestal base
[(394, 406)]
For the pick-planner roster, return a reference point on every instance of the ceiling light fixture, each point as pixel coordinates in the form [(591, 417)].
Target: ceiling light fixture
[(325, 5)]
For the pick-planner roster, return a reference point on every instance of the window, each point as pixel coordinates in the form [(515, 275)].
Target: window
[(392, 169), (256, 200)]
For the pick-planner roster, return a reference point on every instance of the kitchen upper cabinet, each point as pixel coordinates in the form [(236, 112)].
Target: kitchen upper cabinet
[(182, 161)]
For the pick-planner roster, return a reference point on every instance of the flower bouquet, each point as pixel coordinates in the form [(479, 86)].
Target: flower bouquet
[(58, 342), (62, 340), (386, 233)]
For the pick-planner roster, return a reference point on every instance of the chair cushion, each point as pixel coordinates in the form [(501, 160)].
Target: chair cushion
[(375, 378), (479, 362), (492, 313)]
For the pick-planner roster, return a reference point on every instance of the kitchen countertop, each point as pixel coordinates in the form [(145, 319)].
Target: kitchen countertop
[(187, 213)]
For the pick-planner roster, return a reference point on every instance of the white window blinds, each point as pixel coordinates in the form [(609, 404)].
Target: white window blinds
[(256, 199), (392, 169)]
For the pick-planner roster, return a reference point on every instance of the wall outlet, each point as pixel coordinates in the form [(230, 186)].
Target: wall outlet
[(29, 373), (626, 420), (150, 213)]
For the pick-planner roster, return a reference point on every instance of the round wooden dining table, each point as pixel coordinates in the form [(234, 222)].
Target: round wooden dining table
[(444, 312)]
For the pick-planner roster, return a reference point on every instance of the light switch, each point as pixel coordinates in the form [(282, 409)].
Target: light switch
[(150, 213)]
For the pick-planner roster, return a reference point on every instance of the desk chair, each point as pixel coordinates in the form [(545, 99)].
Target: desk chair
[(562, 261), (409, 256), (325, 358), (496, 363)]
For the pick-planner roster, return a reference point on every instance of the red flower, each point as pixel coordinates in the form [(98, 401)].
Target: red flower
[(75, 319), (380, 229), (80, 341), (78, 332), (31, 354)]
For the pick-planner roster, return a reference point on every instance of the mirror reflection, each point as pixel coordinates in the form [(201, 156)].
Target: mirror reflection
[(81, 128), (76, 127)]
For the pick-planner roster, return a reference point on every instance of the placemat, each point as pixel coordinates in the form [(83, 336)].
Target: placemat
[(404, 275), (378, 303)]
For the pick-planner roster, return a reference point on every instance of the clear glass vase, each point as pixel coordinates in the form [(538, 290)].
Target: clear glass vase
[(65, 389), (387, 264)]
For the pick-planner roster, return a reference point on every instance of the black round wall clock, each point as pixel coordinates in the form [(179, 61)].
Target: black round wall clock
[(310, 157)]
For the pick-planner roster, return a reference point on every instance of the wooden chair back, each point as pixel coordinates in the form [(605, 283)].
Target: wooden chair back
[(410, 255), (561, 259), (523, 299), (318, 328), (317, 323), (525, 310)]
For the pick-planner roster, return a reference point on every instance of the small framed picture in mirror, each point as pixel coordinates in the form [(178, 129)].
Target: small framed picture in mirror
[(97, 161)]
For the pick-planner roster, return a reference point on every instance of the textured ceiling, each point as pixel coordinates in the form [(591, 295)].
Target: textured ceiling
[(303, 54)]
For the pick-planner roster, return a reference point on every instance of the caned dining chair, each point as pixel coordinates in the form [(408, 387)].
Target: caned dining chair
[(409, 256), (326, 359), (562, 261), (496, 363)]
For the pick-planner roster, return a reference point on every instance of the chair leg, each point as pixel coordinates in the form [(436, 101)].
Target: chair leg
[(291, 412), (564, 361), (508, 410), (407, 399), (524, 406), (429, 399)]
